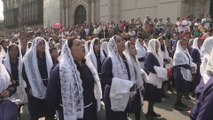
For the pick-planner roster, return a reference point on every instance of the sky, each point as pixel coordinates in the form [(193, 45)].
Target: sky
[(1, 10)]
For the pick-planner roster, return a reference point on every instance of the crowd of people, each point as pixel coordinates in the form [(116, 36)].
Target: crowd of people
[(68, 73)]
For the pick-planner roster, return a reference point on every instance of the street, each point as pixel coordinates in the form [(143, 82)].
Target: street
[(166, 109)]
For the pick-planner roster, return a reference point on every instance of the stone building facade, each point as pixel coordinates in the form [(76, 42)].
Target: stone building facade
[(20, 13), (93, 11)]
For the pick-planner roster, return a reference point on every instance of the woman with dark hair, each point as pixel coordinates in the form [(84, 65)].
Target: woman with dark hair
[(115, 74), (183, 69), (37, 63), (12, 62), (74, 88), (7, 88), (157, 74), (135, 103), (54, 54)]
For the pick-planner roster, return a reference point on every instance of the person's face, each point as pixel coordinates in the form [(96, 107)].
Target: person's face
[(54, 54), (24, 43), (41, 47), (184, 44), (13, 52), (120, 44), (132, 50), (97, 46), (78, 50)]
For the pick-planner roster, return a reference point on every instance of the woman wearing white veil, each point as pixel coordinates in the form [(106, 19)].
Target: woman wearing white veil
[(206, 53), (135, 101), (183, 70), (13, 64), (115, 74), (141, 51), (157, 74), (196, 57), (37, 63), (6, 85), (204, 105), (94, 54), (74, 88)]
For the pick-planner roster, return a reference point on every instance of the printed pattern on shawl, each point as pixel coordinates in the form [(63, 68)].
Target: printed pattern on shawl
[(119, 69), (71, 86)]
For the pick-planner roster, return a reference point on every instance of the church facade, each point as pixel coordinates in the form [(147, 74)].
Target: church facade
[(94, 11)]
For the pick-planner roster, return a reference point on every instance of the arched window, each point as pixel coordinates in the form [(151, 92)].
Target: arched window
[(80, 14)]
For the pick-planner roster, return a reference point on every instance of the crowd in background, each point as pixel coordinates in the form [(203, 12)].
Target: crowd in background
[(142, 56)]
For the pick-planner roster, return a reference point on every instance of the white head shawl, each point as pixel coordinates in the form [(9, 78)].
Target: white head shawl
[(87, 46), (103, 49), (119, 69), (71, 85), (182, 57), (91, 54), (4, 75), (141, 51), (209, 67), (20, 92), (152, 49), (135, 72), (205, 55), (31, 68), (195, 44)]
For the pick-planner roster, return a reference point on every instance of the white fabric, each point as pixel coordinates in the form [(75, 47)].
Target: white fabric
[(20, 93), (97, 86), (119, 93), (156, 79), (119, 72), (4, 75), (206, 49), (207, 46), (91, 54), (103, 49), (87, 46), (141, 51), (133, 64), (181, 58), (152, 49), (195, 44), (31, 68), (71, 86), (119, 69)]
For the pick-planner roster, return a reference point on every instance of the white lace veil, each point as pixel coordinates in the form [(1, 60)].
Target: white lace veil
[(141, 51), (71, 86), (152, 49), (180, 56), (20, 92), (4, 75), (195, 44), (205, 55), (31, 68), (103, 49), (135, 72), (91, 54), (119, 69)]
